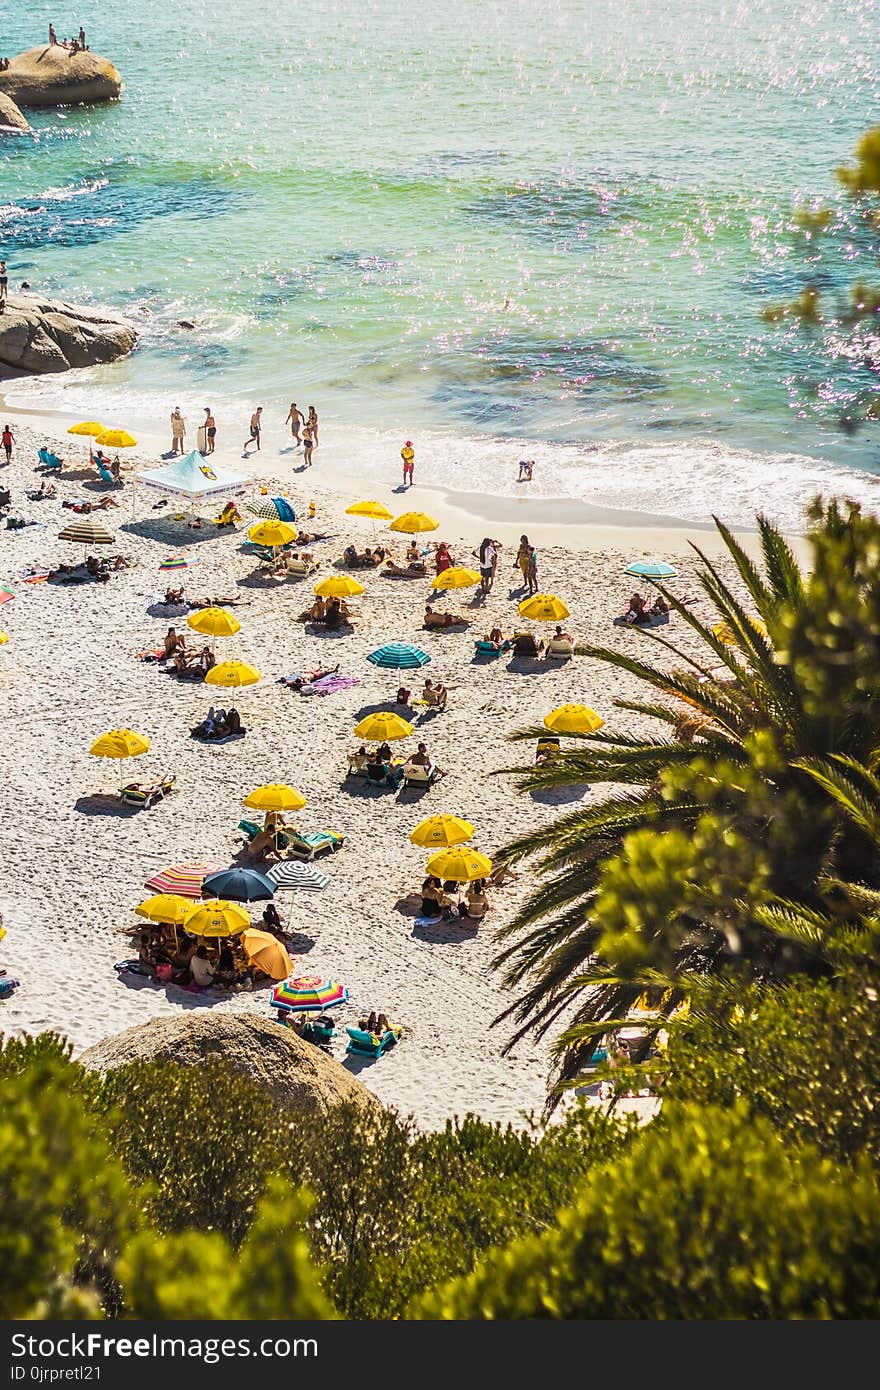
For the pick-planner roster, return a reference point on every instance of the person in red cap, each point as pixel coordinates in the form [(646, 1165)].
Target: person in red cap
[(408, 455)]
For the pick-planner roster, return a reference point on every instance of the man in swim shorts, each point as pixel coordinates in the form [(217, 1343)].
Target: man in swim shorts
[(407, 453)]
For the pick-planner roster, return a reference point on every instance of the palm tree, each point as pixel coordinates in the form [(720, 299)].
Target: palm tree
[(746, 732)]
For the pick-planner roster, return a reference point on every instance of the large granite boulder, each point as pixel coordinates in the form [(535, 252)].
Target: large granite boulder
[(45, 335), (297, 1074), (10, 116), (53, 76)]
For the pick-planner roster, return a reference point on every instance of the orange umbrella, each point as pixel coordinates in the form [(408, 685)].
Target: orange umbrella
[(262, 949)]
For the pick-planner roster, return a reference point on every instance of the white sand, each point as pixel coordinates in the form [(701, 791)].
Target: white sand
[(71, 876)]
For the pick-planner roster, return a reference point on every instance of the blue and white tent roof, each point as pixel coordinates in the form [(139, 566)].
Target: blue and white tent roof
[(193, 476)]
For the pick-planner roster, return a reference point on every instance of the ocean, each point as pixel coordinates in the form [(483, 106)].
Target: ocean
[(541, 230)]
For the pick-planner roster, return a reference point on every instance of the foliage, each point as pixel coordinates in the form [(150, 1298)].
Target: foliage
[(204, 1138), (864, 176), (396, 1211), (67, 1208), (191, 1275), (706, 830), (806, 1057), (708, 1215)]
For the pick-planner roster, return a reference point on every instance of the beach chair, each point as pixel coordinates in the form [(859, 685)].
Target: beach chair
[(250, 828), (417, 775), (146, 794), (318, 1031), (106, 476), (51, 461), (486, 648), (300, 568), (391, 779), (546, 748), (560, 648), (369, 1044)]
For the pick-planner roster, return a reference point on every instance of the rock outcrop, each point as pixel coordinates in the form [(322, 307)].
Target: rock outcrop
[(297, 1074), (10, 116), (53, 76), (45, 335)]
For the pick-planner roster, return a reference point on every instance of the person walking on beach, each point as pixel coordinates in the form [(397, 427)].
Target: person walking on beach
[(407, 453), (4, 281), (8, 439), (210, 430), (527, 559), (178, 430), (296, 418), (488, 557), (313, 423), (309, 443), (256, 426)]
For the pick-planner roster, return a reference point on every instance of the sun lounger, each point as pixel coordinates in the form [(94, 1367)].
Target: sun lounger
[(145, 794), (392, 778), (487, 648), (370, 1044), (298, 568), (50, 461), (312, 843), (106, 476)]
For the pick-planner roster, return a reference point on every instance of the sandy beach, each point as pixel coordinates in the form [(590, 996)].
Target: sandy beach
[(76, 860)]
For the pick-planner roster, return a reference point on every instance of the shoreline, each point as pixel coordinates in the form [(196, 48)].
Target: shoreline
[(568, 522)]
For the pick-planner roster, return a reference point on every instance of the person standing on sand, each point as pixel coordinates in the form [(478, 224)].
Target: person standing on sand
[(8, 439), (296, 418), (178, 430), (308, 443), (488, 557), (256, 426), (4, 281), (407, 453), (52, 37), (527, 559), (313, 423), (210, 430)]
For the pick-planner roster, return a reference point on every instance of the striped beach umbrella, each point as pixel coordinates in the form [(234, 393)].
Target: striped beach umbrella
[(183, 879), (399, 656), (290, 875), (651, 569), (308, 993), (177, 562), (272, 508), (86, 532)]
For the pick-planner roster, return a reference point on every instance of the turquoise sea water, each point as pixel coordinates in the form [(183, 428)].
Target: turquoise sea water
[(526, 227)]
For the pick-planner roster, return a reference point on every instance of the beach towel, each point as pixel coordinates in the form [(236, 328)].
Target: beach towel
[(133, 967), (657, 620), (151, 655), (429, 921), (328, 684)]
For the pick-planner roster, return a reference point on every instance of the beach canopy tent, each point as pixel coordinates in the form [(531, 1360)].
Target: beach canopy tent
[(193, 477)]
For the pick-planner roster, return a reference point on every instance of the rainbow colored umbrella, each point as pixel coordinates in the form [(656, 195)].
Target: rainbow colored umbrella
[(183, 879), (177, 562), (305, 993)]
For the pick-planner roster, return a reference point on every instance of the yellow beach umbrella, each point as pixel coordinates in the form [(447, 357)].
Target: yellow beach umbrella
[(87, 427), (543, 608), (411, 522), (165, 907), (232, 674), (382, 726), (455, 578), (376, 511), (725, 634), (264, 950), (275, 796), (216, 918), (441, 831), (339, 586), (214, 622), (573, 719), (274, 534), (459, 865), (116, 439), (119, 743)]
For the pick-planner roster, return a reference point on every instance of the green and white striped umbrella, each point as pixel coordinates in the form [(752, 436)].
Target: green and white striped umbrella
[(86, 532)]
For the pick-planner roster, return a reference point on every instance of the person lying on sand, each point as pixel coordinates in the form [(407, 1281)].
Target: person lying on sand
[(299, 682), (412, 570), (435, 619)]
